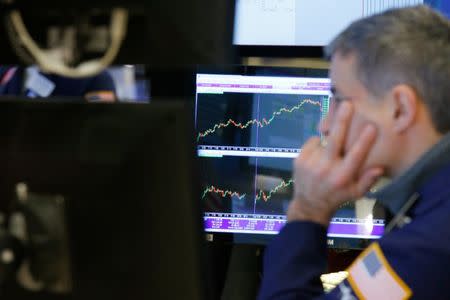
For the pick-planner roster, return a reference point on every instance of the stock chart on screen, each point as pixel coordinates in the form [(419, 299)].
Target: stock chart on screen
[(249, 129)]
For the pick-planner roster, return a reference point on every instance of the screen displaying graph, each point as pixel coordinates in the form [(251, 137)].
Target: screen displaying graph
[(258, 120), (249, 129), (255, 189)]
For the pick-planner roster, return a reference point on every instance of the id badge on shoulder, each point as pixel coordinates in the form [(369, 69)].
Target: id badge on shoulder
[(37, 85)]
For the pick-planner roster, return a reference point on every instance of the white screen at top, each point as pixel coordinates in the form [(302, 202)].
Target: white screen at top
[(301, 22)]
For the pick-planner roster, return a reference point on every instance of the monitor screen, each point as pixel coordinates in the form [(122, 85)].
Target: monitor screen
[(304, 22), (125, 174), (250, 124)]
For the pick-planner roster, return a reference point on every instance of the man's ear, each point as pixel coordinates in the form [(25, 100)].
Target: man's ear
[(405, 105)]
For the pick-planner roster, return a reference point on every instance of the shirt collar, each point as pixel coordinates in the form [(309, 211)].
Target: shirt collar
[(394, 195)]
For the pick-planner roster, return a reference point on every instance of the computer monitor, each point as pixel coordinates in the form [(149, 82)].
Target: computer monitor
[(250, 124), (126, 175), (302, 27)]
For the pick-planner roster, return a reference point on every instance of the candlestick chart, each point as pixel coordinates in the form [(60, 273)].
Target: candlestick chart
[(258, 120), (253, 139), (237, 186)]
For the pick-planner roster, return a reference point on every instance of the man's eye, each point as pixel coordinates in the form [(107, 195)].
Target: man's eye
[(338, 98), (335, 98)]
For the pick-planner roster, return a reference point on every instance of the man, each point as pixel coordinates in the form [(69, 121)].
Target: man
[(390, 116)]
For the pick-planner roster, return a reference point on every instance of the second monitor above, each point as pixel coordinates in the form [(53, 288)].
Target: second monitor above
[(300, 28)]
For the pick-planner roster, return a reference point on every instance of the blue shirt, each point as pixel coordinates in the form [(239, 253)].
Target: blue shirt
[(64, 86)]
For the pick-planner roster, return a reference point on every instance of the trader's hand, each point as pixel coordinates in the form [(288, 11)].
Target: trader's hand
[(326, 177)]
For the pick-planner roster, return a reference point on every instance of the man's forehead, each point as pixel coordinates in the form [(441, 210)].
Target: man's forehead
[(341, 62)]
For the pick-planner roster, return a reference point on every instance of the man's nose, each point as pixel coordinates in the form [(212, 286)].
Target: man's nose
[(325, 123), (324, 126)]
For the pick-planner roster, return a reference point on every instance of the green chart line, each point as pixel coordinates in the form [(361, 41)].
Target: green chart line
[(266, 197)]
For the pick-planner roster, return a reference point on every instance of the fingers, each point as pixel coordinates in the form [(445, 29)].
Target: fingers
[(338, 133), (310, 146), (357, 154)]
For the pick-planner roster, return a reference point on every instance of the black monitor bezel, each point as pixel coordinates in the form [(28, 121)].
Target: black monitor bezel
[(279, 51)]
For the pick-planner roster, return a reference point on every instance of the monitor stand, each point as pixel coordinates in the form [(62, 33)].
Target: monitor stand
[(244, 273)]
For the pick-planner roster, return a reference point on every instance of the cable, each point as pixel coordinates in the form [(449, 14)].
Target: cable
[(48, 63), (21, 52)]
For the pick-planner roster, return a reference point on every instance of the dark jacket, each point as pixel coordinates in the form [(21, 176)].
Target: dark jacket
[(417, 248)]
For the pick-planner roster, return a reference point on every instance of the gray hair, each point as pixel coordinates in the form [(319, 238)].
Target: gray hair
[(402, 46)]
